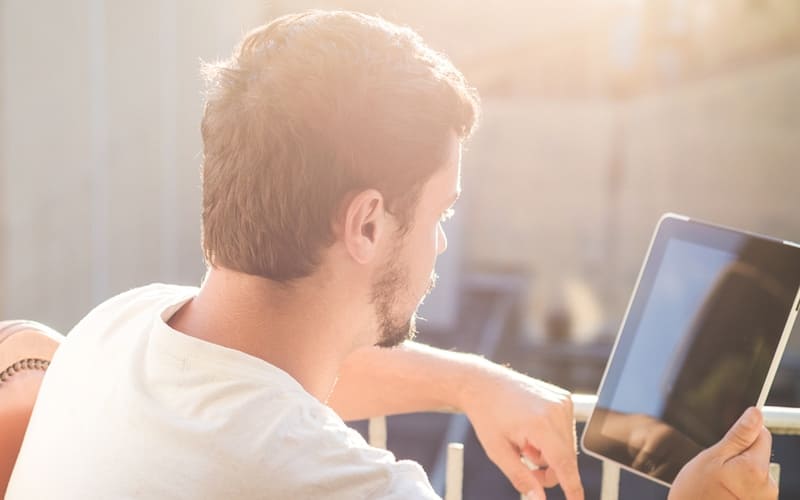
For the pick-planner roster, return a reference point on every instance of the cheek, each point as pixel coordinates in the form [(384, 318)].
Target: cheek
[(423, 251)]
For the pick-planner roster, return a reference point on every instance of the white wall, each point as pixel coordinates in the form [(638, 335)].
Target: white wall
[(100, 103), (724, 149)]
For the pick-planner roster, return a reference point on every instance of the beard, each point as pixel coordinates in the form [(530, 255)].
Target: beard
[(394, 328)]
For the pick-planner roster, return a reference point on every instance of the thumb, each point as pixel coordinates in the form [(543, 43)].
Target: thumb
[(742, 435)]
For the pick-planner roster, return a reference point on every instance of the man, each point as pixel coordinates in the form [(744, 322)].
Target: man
[(332, 145)]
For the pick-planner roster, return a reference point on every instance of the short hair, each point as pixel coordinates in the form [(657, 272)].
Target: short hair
[(309, 108)]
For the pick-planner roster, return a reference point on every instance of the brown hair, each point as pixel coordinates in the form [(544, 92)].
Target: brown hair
[(310, 107)]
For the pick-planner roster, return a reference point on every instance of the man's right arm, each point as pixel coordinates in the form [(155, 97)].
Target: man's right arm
[(735, 468)]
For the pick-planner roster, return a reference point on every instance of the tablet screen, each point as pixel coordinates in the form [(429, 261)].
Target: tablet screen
[(696, 347)]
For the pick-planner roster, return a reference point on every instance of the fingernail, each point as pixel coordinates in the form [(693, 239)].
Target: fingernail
[(531, 495)]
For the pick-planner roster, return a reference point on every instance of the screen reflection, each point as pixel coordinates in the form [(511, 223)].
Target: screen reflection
[(699, 346)]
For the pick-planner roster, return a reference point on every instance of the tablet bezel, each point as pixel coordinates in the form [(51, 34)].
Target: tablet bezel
[(670, 226)]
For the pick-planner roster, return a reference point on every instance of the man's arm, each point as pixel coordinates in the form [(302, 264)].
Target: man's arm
[(407, 379), (512, 414)]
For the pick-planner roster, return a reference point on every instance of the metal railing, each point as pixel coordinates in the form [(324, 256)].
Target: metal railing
[(779, 420)]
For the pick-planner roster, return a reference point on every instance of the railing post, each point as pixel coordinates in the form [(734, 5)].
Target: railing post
[(377, 432), (454, 484), (609, 485)]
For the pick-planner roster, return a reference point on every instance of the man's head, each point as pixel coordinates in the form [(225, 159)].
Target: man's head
[(311, 111)]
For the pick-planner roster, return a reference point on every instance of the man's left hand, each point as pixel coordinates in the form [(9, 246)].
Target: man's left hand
[(514, 416)]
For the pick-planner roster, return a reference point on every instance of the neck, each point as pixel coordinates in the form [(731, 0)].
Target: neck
[(306, 330)]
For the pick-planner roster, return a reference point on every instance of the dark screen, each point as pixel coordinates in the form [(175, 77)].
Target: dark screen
[(696, 346)]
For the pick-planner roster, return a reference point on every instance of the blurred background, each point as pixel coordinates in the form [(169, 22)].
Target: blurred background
[(599, 116)]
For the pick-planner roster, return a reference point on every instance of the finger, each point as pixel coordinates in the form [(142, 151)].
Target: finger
[(652, 452), (533, 454), (558, 451), (524, 480), (537, 493), (742, 435), (760, 451), (532, 458), (549, 480), (644, 462), (566, 469), (747, 474)]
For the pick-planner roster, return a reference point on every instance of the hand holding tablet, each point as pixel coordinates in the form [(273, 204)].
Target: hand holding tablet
[(736, 467), (700, 343)]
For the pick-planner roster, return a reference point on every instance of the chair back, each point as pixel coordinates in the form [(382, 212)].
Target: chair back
[(26, 348)]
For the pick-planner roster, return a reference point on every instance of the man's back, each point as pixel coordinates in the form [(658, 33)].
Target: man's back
[(131, 408)]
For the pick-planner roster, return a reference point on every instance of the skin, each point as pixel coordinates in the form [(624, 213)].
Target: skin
[(735, 468), (324, 328)]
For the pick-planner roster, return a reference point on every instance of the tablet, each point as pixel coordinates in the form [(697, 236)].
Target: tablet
[(700, 342)]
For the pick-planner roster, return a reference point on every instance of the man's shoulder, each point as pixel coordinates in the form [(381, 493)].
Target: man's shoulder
[(149, 298), (154, 293)]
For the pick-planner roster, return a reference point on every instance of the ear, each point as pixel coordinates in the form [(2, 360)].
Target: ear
[(364, 224)]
